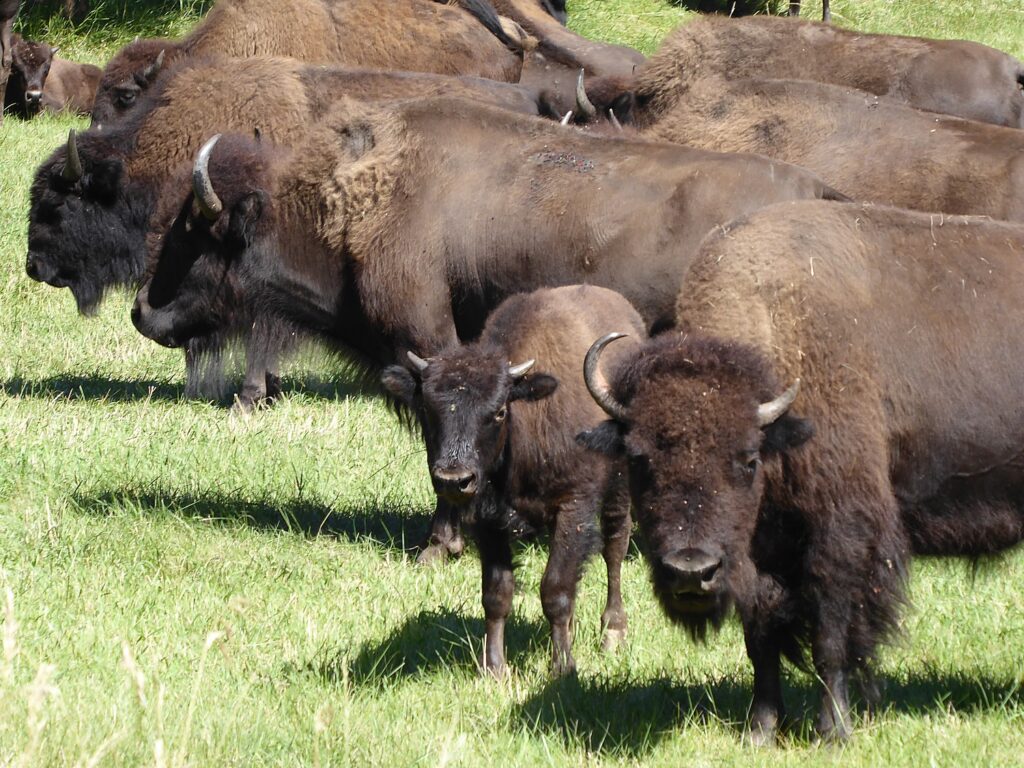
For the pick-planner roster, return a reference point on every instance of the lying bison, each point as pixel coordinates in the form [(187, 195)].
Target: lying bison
[(412, 35), (840, 395), (874, 149), (427, 216), (91, 202), (500, 442), (42, 82), (954, 77)]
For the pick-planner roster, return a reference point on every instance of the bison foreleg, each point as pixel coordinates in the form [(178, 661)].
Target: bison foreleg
[(445, 536), (569, 547), (766, 710), (615, 528), (498, 584)]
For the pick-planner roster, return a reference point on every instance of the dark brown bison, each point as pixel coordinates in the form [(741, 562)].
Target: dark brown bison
[(8, 10), (872, 148), (91, 202), (41, 81), (954, 77), (395, 230), (413, 35), (499, 418), (840, 395)]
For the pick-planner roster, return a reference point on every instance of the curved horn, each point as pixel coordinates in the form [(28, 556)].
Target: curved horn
[(73, 167), (518, 371), (596, 382), (209, 203), (583, 103), (768, 413), (154, 69), (419, 362), (614, 119), (565, 120)]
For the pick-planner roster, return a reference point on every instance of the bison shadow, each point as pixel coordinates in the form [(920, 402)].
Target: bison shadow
[(390, 527), (428, 643), (616, 717)]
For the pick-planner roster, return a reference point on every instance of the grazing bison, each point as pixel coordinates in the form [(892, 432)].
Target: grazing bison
[(413, 35), (8, 10), (873, 149), (91, 202), (840, 395), (500, 444), (40, 80), (954, 77), (351, 235)]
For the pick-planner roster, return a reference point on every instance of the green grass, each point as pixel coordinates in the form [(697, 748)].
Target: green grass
[(190, 588)]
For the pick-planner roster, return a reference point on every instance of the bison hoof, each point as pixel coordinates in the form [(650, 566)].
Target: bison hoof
[(563, 667), (496, 670), (761, 737), (242, 406), (432, 553), (613, 640)]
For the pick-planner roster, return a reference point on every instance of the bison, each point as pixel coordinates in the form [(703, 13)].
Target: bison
[(954, 77), (412, 35), (396, 229), (8, 10), (41, 81), (838, 397), (91, 201), (499, 417), (872, 148)]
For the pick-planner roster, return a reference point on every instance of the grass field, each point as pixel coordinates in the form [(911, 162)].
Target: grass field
[(179, 587)]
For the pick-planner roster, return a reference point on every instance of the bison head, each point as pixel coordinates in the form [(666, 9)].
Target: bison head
[(86, 226), (193, 286), (462, 401), (697, 421), (128, 76), (30, 66)]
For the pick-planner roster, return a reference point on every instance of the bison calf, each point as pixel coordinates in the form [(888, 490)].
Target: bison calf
[(41, 81), (500, 440), (842, 394)]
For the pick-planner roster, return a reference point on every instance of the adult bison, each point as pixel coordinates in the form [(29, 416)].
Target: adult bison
[(399, 229), (840, 395), (413, 35), (500, 445), (41, 81), (8, 10), (872, 148), (91, 202), (954, 77)]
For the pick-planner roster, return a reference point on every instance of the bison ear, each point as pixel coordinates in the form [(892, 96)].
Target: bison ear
[(399, 382), (535, 387), (605, 438), (244, 217), (785, 433)]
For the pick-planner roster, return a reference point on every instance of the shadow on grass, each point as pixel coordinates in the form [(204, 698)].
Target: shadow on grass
[(391, 528), (621, 718), (428, 643)]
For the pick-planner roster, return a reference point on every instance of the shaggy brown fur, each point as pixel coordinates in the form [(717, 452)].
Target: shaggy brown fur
[(413, 35), (890, 320), (505, 447), (955, 77), (872, 148)]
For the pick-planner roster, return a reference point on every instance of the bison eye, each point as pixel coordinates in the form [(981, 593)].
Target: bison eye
[(501, 413), (749, 461)]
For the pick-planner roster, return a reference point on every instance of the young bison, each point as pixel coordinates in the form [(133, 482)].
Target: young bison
[(42, 82), (500, 442), (901, 430)]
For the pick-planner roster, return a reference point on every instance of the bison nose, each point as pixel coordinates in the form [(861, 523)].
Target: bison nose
[(33, 97), (692, 570), (38, 269), (455, 484)]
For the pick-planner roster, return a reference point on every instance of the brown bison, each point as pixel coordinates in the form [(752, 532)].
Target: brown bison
[(413, 35), (399, 229), (874, 149), (91, 202), (8, 10), (954, 77), (41, 81), (499, 418), (838, 397)]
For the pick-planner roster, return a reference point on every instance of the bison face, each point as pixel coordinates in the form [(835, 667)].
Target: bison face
[(127, 78), (462, 401), (31, 64), (86, 226), (696, 431)]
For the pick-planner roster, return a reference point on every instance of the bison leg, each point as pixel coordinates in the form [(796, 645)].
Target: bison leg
[(766, 711), (826, 12), (615, 528), (794, 8), (498, 584), (445, 536), (569, 546)]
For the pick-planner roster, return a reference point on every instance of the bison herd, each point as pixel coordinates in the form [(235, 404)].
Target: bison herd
[(750, 292)]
